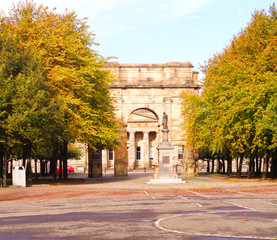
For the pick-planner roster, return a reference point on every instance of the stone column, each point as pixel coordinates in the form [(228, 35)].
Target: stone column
[(132, 150), (94, 163), (156, 152), (105, 160), (189, 163), (120, 155), (145, 149)]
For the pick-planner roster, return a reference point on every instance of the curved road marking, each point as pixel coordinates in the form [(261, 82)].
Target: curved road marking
[(157, 224)]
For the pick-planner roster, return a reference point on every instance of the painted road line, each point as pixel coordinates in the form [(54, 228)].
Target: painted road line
[(238, 205), (158, 225), (183, 198), (260, 200), (149, 195), (198, 204), (199, 194)]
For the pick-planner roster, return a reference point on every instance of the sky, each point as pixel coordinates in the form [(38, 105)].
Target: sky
[(160, 31)]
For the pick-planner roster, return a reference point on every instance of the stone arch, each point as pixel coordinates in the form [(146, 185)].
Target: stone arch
[(142, 115)]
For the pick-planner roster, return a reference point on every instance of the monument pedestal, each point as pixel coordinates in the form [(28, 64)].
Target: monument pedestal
[(156, 171), (167, 172)]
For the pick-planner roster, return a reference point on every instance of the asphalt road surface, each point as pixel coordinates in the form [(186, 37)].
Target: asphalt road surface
[(140, 213)]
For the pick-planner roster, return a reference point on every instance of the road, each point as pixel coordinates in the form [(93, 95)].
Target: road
[(101, 211)]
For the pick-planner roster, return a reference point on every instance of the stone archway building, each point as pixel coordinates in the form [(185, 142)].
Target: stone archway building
[(142, 93)]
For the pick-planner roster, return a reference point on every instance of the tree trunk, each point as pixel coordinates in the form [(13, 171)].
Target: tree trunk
[(36, 168), (60, 168), (260, 165), (24, 156), (239, 167), (28, 153), (64, 158), (54, 162), (11, 167), (274, 165), (4, 167), (223, 166), (251, 167), (218, 166), (29, 173), (208, 166), (42, 168), (229, 165), (257, 165), (36, 161), (1, 159), (212, 166), (266, 160)]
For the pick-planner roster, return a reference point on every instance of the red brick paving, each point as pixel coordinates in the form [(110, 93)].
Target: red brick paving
[(73, 192)]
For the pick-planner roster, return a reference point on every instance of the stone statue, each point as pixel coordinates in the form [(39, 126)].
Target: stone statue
[(165, 119)]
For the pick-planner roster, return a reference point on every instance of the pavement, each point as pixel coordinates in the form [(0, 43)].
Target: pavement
[(135, 184), (204, 208), (140, 180)]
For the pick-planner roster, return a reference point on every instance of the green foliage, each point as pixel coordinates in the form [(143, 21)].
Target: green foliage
[(53, 86), (74, 152), (237, 109)]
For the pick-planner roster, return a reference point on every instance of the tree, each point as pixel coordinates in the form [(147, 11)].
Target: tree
[(237, 108), (61, 93)]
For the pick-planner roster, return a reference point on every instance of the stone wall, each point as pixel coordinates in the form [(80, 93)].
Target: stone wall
[(142, 92)]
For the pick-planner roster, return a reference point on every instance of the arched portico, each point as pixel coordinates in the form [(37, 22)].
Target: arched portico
[(142, 129)]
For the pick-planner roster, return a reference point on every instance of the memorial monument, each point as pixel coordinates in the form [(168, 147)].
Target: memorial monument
[(165, 170)]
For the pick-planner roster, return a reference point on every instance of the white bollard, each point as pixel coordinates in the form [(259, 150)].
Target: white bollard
[(19, 176)]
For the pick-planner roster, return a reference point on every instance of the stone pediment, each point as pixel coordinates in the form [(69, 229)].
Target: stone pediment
[(142, 115)]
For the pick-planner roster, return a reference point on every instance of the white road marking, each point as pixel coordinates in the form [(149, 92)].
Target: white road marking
[(200, 194), (238, 205), (149, 195), (198, 204), (158, 225), (265, 202), (183, 198)]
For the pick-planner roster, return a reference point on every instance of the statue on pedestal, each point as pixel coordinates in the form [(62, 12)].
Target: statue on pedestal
[(165, 120)]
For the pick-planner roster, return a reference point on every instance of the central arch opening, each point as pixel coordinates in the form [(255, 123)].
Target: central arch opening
[(142, 128)]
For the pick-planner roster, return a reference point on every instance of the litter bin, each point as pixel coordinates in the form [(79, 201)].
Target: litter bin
[(19, 176)]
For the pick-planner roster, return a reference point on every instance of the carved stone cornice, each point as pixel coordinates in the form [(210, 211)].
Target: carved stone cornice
[(162, 86), (139, 65)]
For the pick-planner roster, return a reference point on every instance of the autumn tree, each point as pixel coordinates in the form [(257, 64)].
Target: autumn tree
[(68, 80), (237, 108)]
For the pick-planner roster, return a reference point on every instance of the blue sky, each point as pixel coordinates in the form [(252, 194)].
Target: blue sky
[(160, 31)]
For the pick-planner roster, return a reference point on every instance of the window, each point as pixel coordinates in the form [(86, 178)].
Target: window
[(138, 153), (111, 155), (180, 153), (151, 153), (79, 168)]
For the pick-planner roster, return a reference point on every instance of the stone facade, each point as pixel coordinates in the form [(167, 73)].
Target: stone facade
[(80, 165), (142, 93)]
